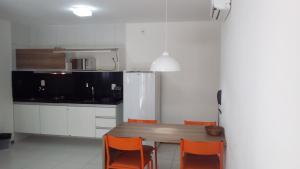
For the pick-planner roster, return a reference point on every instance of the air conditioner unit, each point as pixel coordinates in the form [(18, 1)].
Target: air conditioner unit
[(220, 9)]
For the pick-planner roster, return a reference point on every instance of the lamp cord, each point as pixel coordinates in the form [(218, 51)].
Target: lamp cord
[(166, 26)]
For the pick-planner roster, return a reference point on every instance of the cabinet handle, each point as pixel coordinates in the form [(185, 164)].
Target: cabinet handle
[(106, 128), (105, 117)]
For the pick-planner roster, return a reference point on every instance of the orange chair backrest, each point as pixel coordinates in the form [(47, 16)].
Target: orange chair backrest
[(142, 121), (123, 144), (202, 148), (200, 123)]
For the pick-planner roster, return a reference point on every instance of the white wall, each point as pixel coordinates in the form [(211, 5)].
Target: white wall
[(6, 109), (20, 37), (260, 81), (190, 93), (73, 36)]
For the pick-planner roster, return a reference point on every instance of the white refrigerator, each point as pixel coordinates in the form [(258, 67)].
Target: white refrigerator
[(141, 95)]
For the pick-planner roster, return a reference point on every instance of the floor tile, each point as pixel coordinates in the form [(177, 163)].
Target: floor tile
[(167, 151), (47, 152), (89, 166), (164, 164)]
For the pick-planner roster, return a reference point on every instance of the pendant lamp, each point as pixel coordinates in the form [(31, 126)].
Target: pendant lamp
[(165, 63)]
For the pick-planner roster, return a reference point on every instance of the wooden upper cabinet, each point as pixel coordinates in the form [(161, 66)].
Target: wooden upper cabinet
[(39, 59)]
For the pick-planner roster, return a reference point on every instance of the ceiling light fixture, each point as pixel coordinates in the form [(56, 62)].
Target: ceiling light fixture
[(82, 10), (165, 63)]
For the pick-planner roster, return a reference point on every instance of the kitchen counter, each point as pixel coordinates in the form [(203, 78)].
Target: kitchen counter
[(69, 104), (102, 102)]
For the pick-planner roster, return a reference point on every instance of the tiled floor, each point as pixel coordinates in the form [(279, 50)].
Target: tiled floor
[(44, 152)]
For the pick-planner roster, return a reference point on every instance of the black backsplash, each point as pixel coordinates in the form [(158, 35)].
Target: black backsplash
[(71, 87)]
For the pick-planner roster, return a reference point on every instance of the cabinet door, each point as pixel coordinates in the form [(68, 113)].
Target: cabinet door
[(39, 59), (81, 121), (54, 120), (27, 118)]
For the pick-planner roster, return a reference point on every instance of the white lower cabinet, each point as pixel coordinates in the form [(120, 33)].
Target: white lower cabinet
[(105, 112), (27, 119), (54, 120), (100, 132), (106, 119), (81, 121), (106, 122), (66, 120)]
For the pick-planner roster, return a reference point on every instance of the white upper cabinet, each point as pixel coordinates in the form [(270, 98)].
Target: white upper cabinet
[(54, 120), (81, 121), (27, 119)]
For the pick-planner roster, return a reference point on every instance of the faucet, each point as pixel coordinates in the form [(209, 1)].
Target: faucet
[(93, 92)]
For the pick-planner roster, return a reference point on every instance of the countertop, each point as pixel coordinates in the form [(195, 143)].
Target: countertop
[(88, 102)]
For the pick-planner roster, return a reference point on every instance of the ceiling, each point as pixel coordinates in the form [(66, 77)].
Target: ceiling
[(57, 11)]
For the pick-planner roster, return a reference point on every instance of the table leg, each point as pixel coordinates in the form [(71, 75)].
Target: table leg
[(103, 153)]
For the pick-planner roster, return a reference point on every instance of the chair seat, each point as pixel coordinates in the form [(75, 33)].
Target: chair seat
[(130, 160), (200, 162)]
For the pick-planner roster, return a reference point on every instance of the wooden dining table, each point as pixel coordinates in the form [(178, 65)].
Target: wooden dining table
[(162, 133)]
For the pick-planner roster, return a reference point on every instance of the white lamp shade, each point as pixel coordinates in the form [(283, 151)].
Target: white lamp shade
[(165, 63)]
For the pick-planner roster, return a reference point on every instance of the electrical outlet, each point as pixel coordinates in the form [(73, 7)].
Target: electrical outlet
[(113, 86), (43, 83)]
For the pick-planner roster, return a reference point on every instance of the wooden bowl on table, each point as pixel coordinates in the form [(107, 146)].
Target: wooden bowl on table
[(214, 130)]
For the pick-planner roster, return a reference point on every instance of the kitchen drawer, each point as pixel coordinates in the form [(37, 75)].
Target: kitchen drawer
[(101, 132), (101, 122), (105, 112)]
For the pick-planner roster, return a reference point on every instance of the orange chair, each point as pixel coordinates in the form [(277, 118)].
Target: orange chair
[(142, 121), (200, 123), (133, 156), (146, 147), (201, 155)]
